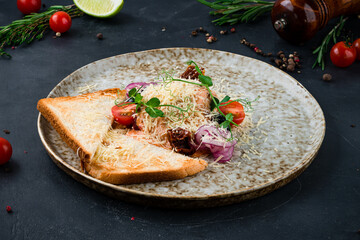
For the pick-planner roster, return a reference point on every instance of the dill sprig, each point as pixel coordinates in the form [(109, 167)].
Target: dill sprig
[(31, 27), (324, 46), (235, 11)]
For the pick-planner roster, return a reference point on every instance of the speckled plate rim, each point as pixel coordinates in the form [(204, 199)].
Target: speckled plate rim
[(283, 179)]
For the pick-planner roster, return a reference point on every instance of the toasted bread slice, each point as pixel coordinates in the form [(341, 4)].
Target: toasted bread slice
[(84, 123), (81, 121), (121, 159)]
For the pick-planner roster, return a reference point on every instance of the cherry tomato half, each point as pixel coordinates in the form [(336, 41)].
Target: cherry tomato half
[(356, 45), (342, 54), (123, 114), (235, 108), (60, 22), (28, 6), (5, 151)]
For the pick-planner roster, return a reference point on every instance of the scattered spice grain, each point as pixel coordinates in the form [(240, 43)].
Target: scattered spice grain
[(100, 36), (6, 131), (327, 77)]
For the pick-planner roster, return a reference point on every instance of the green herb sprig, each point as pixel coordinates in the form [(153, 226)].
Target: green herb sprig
[(151, 107), (31, 27), (235, 11), (321, 50)]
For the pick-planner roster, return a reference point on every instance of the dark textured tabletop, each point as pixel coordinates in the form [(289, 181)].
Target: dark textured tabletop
[(322, 203)]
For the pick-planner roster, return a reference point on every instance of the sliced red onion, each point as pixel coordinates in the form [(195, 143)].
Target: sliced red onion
[(215, 139), (137, 85)]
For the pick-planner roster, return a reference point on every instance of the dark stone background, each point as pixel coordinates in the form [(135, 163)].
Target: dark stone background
[(323, 203)]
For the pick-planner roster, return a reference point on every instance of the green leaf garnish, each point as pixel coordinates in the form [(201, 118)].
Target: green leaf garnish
[(138, 98), (153, 102), (154, 112), (225, 99), (132, 92), (205, 80), (213, 103)]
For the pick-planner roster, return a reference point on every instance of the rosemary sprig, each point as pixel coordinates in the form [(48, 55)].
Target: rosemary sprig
[(323, 48), (235, 11), (31, 27)]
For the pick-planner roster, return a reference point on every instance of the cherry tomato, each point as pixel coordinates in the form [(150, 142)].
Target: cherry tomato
[(235, 108), (5, 151), (60, 22), (342, 54), (29, 6), (123, 114), (356, 45)]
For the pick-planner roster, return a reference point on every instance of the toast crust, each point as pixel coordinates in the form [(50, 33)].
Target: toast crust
[(44, 108), (102, 172)]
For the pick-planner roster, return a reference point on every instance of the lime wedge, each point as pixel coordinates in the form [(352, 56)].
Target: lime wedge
[(100, 8)]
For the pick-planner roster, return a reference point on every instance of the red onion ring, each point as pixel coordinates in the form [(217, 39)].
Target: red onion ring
[(215, 139), (137, 85)]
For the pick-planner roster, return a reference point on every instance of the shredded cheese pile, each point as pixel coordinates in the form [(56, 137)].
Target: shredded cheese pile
[(195, 100)]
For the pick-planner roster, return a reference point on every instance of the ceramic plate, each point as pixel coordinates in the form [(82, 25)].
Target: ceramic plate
[(288, 129)]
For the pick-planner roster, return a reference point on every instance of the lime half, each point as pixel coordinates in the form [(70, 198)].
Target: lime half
[(100, 8)]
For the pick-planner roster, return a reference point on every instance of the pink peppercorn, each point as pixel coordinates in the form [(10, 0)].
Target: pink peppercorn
[(8, 209)]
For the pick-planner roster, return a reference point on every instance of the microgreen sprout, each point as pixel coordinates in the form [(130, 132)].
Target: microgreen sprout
[(152, 106)]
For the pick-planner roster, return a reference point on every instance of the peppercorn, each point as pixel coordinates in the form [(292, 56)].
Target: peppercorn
[(163, 29), (352, 125), (290, 68), (279, 53), (58, 34), (194, 33), (8, 209), (99, 36), (232, 30), (252, 45), (6, 131), (223, 32), (278, 62), (209, 40), (291, 55), (327, 77), (207, 35), (296, 59), (269, 54)]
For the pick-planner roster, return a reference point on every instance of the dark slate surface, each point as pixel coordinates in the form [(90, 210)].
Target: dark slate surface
[(323, 203)]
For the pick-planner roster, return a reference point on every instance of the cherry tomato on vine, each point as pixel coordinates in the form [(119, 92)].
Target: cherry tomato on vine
[(343, 54), (29, 6), (60, 22), (5, 151), (356, 45), (235, 108), (123, 114)]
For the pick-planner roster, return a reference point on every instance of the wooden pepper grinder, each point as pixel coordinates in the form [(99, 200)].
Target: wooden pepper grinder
[(299, 20)]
